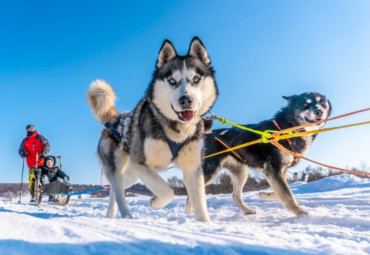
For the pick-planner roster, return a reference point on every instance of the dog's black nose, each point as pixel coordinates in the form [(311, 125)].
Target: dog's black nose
[(185, 102), (318, 112)]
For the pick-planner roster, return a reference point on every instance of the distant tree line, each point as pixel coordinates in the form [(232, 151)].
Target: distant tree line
[(222, 184), (12, 190), (134, 189)]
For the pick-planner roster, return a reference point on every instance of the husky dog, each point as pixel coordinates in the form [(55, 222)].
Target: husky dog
[(301, 109), (166, 125)]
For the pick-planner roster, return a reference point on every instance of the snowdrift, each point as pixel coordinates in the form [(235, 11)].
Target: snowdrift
[(343, 181), (338, 223)]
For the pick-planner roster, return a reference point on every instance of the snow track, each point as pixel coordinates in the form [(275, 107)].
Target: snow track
[(338, 223)]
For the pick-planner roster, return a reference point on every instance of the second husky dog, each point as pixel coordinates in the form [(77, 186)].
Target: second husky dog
[(274, 163), (165, 126)]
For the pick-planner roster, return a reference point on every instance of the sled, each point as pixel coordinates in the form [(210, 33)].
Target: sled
[(56, 188)]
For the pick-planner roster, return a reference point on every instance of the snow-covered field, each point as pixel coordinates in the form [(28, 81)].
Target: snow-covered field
[(338, 223)]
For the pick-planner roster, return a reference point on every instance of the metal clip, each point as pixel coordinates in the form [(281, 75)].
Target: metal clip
[(211, 117)]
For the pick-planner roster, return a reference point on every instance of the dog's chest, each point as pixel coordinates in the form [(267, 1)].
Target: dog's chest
[(157, 153), (304, 144), (301, 146)]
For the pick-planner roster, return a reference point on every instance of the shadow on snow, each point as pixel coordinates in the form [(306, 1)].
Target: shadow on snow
[(10, 247)]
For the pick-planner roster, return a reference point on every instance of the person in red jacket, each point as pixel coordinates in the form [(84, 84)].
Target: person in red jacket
[(34, 144)]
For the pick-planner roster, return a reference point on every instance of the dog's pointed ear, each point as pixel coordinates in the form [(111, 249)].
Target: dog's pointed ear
[(197, 50), (330, 108), (289, 99), (166, 53)]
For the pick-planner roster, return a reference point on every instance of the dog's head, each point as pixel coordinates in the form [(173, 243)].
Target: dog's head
[(309, 107), (183, 87)]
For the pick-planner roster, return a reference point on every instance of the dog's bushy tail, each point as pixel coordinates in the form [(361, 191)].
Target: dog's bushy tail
[(101, 98)]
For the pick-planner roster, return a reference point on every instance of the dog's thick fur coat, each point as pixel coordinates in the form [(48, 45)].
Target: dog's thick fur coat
[(274, 163), (183, 89)]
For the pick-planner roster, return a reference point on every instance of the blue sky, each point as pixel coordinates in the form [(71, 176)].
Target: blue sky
[(50, 51)]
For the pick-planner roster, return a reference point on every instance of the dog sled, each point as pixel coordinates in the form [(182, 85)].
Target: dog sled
[(57, 189)]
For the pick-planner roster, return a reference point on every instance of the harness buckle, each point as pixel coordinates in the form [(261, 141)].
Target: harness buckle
[(211, 117)]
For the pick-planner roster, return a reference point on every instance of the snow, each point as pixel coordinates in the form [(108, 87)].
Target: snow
[(338, 223)]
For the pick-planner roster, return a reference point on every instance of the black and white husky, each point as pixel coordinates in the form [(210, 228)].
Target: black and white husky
[(165, 126), (274, 163)]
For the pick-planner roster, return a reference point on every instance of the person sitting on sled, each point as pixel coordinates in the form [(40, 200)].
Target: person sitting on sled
[(50, 172)]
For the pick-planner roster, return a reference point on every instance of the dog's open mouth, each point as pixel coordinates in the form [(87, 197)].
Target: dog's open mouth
[(186, 115), (312, 121)]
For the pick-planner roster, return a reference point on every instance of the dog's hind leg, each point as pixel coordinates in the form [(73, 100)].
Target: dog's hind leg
[(129, 179), (115, 172), (239, 175), (278, 183), (163, 193), (112, 207), (271, 196)]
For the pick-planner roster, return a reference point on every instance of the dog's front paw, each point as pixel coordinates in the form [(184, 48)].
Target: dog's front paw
[(159, 202), (248, 210), (203, 218), (110, 214), (153, 202), (267, 196), (300, 212)]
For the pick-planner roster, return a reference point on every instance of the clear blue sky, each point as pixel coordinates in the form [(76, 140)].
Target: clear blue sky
[(50, 51)]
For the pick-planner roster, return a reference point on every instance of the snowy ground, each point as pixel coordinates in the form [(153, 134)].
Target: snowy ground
[(338, 223)]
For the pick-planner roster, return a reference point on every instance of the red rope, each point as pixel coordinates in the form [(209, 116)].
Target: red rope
[(101, 180), (318, 122)]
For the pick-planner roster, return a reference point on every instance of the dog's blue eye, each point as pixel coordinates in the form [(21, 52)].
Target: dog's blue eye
[(196, 79), (172, 81)]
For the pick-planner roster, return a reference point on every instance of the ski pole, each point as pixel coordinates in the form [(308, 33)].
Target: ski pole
[(60, 162), (36, 190), (37, 161), (20, 196)]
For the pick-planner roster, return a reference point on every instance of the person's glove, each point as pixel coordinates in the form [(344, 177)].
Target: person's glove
[(23, 154), (52, 172), (42, 155)]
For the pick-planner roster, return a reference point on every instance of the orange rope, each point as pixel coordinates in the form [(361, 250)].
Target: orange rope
[(290, 143), (233, 152), (297, 155)]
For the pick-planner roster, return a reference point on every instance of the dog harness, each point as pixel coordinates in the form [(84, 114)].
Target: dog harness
[(120, 127), (113, 129), (228, 142), (220, 140), (121, 135), (174, 147)]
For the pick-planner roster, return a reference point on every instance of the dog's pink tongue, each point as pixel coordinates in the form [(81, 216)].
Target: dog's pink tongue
[(187, 115)]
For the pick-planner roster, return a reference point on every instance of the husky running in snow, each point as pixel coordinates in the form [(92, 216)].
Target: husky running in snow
[(274, 163), (165, 126)]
